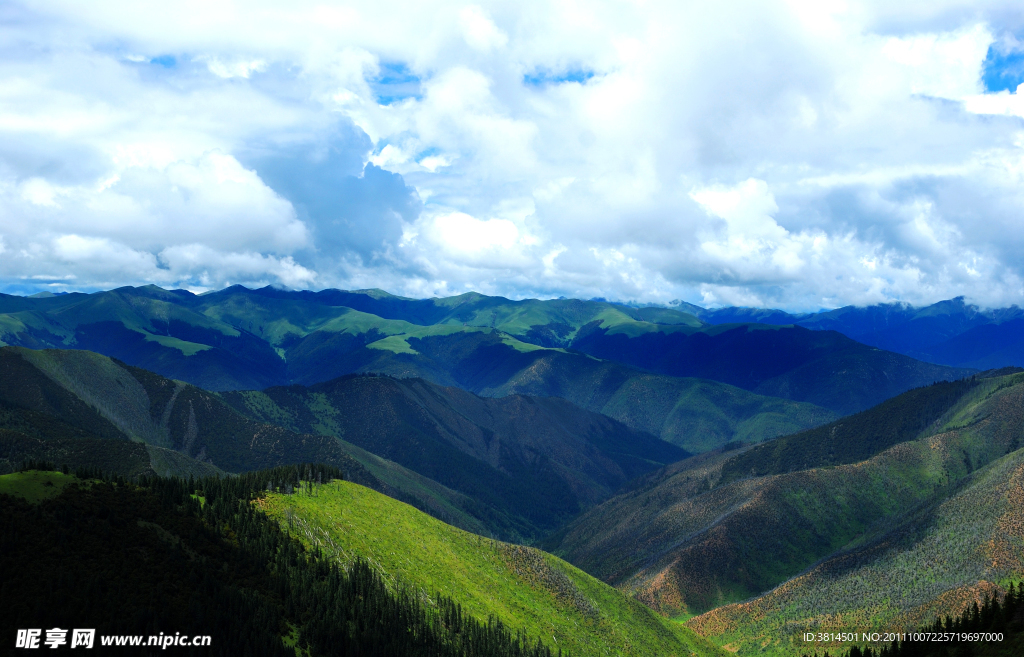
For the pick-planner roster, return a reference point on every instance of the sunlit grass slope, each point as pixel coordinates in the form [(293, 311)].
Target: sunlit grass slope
[(34, 485), (523, 587)]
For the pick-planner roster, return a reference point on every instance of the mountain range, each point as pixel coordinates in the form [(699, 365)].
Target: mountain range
[(951, 332), (752, 480), (657, 370)]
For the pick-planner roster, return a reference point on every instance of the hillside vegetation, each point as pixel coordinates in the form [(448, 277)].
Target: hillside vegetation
[(934, 563), (996, 626), (521, 586), (685, 540), (155, 559)]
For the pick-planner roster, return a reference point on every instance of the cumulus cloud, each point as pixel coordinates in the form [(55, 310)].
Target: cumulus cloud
[(798, 154)]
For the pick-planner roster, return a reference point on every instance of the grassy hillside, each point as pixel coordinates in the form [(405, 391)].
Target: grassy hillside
[(174, 558), (934, 563), (35, 486), (685, 540), (523, 587), (535, 462)]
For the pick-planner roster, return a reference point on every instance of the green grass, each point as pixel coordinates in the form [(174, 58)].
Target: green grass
[(186, 348), (441, 501), (393, 343), (618, 322), (35, 485), (523, 587), (524, 347)]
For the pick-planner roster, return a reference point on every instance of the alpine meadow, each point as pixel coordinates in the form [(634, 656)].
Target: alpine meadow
[(477, 328)]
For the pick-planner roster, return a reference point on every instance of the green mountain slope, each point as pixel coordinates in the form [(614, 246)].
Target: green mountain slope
[(150, 328), (824, 368), (534, 461), (687, 539), (934, 563), (533, 320), (173, 560), (503, 347), (86, 410), (522, 587)]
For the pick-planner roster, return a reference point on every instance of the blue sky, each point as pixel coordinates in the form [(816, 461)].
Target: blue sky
[(798, 154), (1003, 68)]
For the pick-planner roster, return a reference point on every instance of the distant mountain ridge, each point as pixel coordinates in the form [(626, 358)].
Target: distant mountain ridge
[(950, 332), (602, 356)]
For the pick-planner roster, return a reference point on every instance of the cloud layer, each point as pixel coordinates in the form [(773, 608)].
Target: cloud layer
[(798, 155)]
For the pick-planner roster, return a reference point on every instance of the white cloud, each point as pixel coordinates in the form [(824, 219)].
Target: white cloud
[(39, 191), (479, 31), (239, 68), (797, 154), (1002, 102), (210, 267), (461, 233), (945, 65)]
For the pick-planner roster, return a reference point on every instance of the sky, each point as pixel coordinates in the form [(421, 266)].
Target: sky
[(798, 155)]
